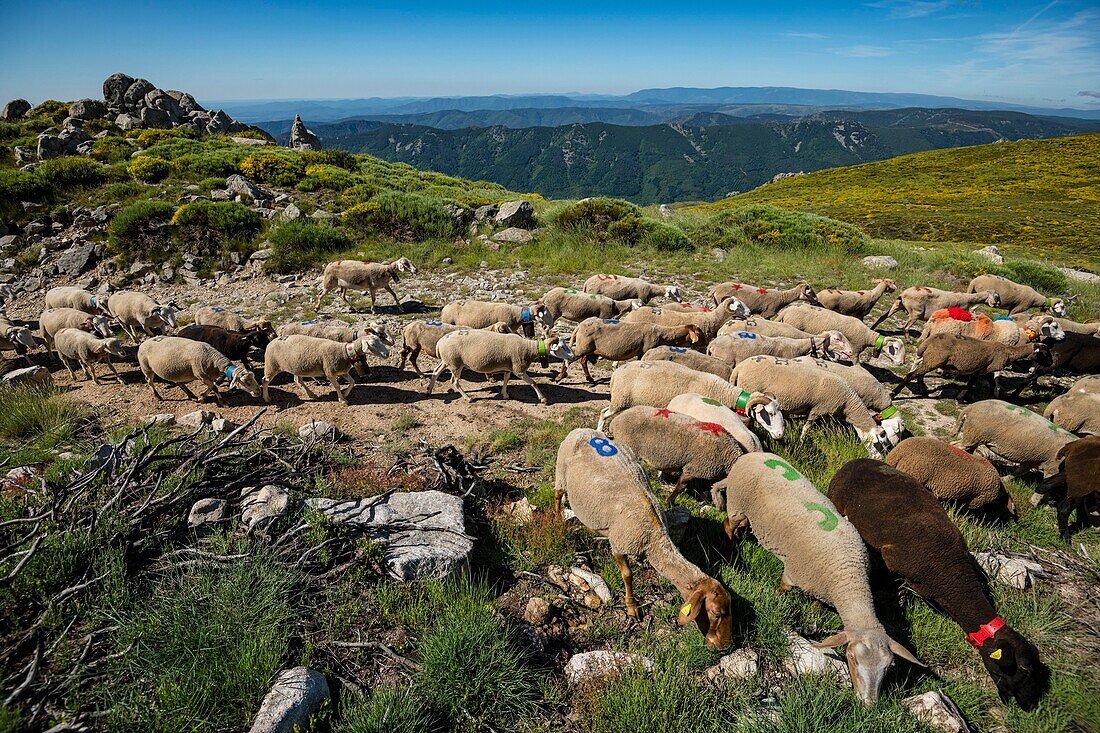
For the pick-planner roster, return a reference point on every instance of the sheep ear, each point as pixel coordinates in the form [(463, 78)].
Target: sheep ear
[(695, 603), (905, 654), (833, 641)]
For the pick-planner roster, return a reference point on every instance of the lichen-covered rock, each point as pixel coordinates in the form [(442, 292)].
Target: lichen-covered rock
[(991, 253), (241, 186), (808, 659), (537, 611), (938, 711), (14, 110), (737, 665), (207, 511), (318, 430), (513, 235), (1015, 571), (114, 89), (296, 695), (516, 214), (87, 109), (302, 138), (880, 262), (261, 506), (32, 376), (589, 666), (195, 419)]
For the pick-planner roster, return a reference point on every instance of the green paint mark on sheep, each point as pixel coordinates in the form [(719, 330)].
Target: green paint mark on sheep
[(786, 470), (709, 401), (830, 521)]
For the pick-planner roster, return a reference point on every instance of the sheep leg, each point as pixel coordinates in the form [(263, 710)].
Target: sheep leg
[(344, 296), (396, 300), (212, 390), (584, 368), (1065, 509), (89, 371), (677, 489), (65, 361), (806, 426), (527, 378), (504, 385), (186, 391), (435, 376), (456, 382), (628, 584), (306, 389), (559, 494), (373, 307), (153, 387), (564, 368), (905, 381), (340, 395), (605, 415), (735, 525), (111, 366)]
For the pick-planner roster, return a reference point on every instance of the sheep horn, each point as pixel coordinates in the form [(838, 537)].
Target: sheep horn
[(757, 400)]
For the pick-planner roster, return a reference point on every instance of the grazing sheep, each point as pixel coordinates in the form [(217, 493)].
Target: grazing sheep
[(230, 321), (676, 443), (1074, 485), (762, 301), (968, 357), (180, 361), (1067, 325), (77, 298), (77, 345), (16, 338), (422, 336), (733, 348), (658, 382), (813, 319), (1075, 353), (138, 311), (821, 553), (368, 277), (1014, 433), (619, 287), (950, 473), (763, 327), (871, 391), (855, 303), (690, 358), (801, 389), (609, 493), (1001, 329), (1017, 298), (576, 306), (53, 320), (917, 540), (920, 302), (1075, 411), (1089, 385), (488, 352), (335, 330), (482, 314), (309, 356), (708, 321), (616, 340), (234, 345), (705, 409)]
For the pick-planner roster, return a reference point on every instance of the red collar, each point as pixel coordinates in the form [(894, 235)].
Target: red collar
[(985, 632)]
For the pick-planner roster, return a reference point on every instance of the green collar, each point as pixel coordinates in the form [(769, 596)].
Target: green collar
[(1048, 303), (879, 342), (887, 413), (543, 351), (742, 400)]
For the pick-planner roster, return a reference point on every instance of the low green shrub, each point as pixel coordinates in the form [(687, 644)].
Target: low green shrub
[(404, 216), (665, 238), (339, 158), (149, 138), (28, 412), (17, 186), (298, 245), (133, 231), (149, 168), (329, 177), (387, 710), (71, 172), (50, 108), (112, 149), (207, 228), (278, 170), (1044, 278), (769, 226), (10, 131), (359, 193), (595, 214)]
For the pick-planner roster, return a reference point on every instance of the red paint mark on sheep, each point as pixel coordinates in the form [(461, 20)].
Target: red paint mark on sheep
[(712, 427), (663, 412)]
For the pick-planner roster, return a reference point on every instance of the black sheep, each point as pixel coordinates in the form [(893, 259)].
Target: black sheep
[(1075, 486), (231, 344), (898, 517)]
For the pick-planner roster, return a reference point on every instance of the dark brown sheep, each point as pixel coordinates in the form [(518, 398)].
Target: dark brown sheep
[(901, 520), (1075, 485), (968, 357), (233, 345), (1077, 353)]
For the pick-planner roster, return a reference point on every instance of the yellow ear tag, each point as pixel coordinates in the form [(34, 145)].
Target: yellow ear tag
[(687, 609), (995, 655)]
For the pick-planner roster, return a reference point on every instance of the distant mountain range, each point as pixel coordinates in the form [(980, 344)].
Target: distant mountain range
[(696, 155)]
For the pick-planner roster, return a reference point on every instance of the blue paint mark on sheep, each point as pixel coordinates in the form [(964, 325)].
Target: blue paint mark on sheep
[(434, 323), (677, 349), (611, 321), (746, 335), (603, 447)]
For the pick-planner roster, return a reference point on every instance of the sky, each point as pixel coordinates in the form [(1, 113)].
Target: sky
[(1044, 53)]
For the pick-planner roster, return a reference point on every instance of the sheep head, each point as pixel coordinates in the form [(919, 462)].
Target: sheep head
[(765, 411), (1047, 328), (869, 654), (837, 347), (992, 298), (257, 339), (21, 336), (1057, 306), (165, 314), (114, 347), (371, 343), (673, 293), (806, 292), (892, 348), (1014, 665), (500, 327), (890, 285), (241, 378), (734, 307), (708, 605), (557, 348), (876, 441), (542, 314), (404, 264), (379, 330), (99, 324)]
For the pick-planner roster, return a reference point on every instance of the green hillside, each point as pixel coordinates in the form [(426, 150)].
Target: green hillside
[(1036, 195)]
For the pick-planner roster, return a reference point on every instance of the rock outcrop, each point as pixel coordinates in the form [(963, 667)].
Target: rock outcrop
[(301, 138), (15, 109)]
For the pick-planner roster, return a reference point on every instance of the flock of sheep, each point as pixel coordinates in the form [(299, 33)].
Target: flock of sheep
[(690, 380)]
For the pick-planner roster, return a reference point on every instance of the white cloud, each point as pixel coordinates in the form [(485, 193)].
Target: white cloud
[(863, 51), (814, 36), (907, 9), (1089, 94)]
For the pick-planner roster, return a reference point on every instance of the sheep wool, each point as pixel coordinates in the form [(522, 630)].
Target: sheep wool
[(78, 298), (1076, 411), (573, 305), (180, 361), (690, 358), (950, 473), (763, 301), (1015, 297), (619, 287), (855, 303), (814, 319), (705, 409), (1015, 433)]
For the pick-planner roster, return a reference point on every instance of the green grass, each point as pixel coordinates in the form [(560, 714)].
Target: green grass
[(387, 710), (36, 422)]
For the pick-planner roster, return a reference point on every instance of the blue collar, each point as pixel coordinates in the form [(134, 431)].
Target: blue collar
[(92, 298), (229, 371), (525, 314)]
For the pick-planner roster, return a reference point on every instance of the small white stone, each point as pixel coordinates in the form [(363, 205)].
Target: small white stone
[(195, 419), (739, 664), (808, 659), (588, 666), (582, 578), (1015, 571), (937, 710)]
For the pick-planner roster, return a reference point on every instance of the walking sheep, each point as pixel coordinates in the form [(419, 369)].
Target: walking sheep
[(368, 277), (1092, 328), (53, 320), (1088, 385), (1001, 329), (763, 327), (1017, 298), (951, 473), (917, 540), (656, 383), (16, 338), (708, 321), (309, 356), (690, 358), (180, 361), (335, 330), (822, 554), (234, 345), (1074, 353), (705, 409), (230, 321), (762, 301), (608, 491), (576, 306), (617, 341), (482, 314), (77, 298), (1075, 411), (733, 348), (871, 391), (77, 345), (1014, 433), (806, 390), (813, 319), (1074, 485), (855, 303), (618, 287), (675, 443), (920, 302), (968, 357), (422, 336), (136, 311), (494, 353)]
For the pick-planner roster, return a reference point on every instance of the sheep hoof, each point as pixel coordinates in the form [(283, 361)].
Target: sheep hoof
[(632, 610)]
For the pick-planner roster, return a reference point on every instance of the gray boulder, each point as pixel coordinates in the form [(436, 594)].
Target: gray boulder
[(486, 212), (159, 99), (76, 260), (87, 109), (32, 376), (127, 121), (153, 117), (601, 664), (16, 109), (73, 138), (207, 511), (297, 694), (880, 262), (513, 235), (186, 102), (422, 533), (50, 146), (516, 214), (991, 253), (240, 185), (261, 506), (24, 155), (219, 123), (135, 93), (301, 138), (937, 710), (114, 89)]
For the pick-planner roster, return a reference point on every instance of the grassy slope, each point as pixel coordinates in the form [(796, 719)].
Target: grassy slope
[(1039, 196)]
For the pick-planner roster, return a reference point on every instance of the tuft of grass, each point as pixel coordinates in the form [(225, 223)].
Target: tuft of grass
[(387, 710), (544, 540), (38, 420)]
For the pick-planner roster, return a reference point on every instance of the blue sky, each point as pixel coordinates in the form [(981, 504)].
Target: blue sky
[(1043, 53)]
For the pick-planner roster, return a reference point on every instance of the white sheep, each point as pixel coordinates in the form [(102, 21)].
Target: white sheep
[(180, 361), (488, 352), (822, 553), (230, 321), (77, 345), (608, 491), (1015, 433), (763, 301), (1075, 411), (690, 358), (1015, 297), (814, 319), (617, 341), (710, 410), (764, 327), (16, 338), (484, 313), (573, 305), (708, 321), (367, 277), (619, 287), (855, 303), (309, 356), (422, 337), (53, 320), (920, 302), (734, 348), (136, 311), (872, 392), (78, 298)]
